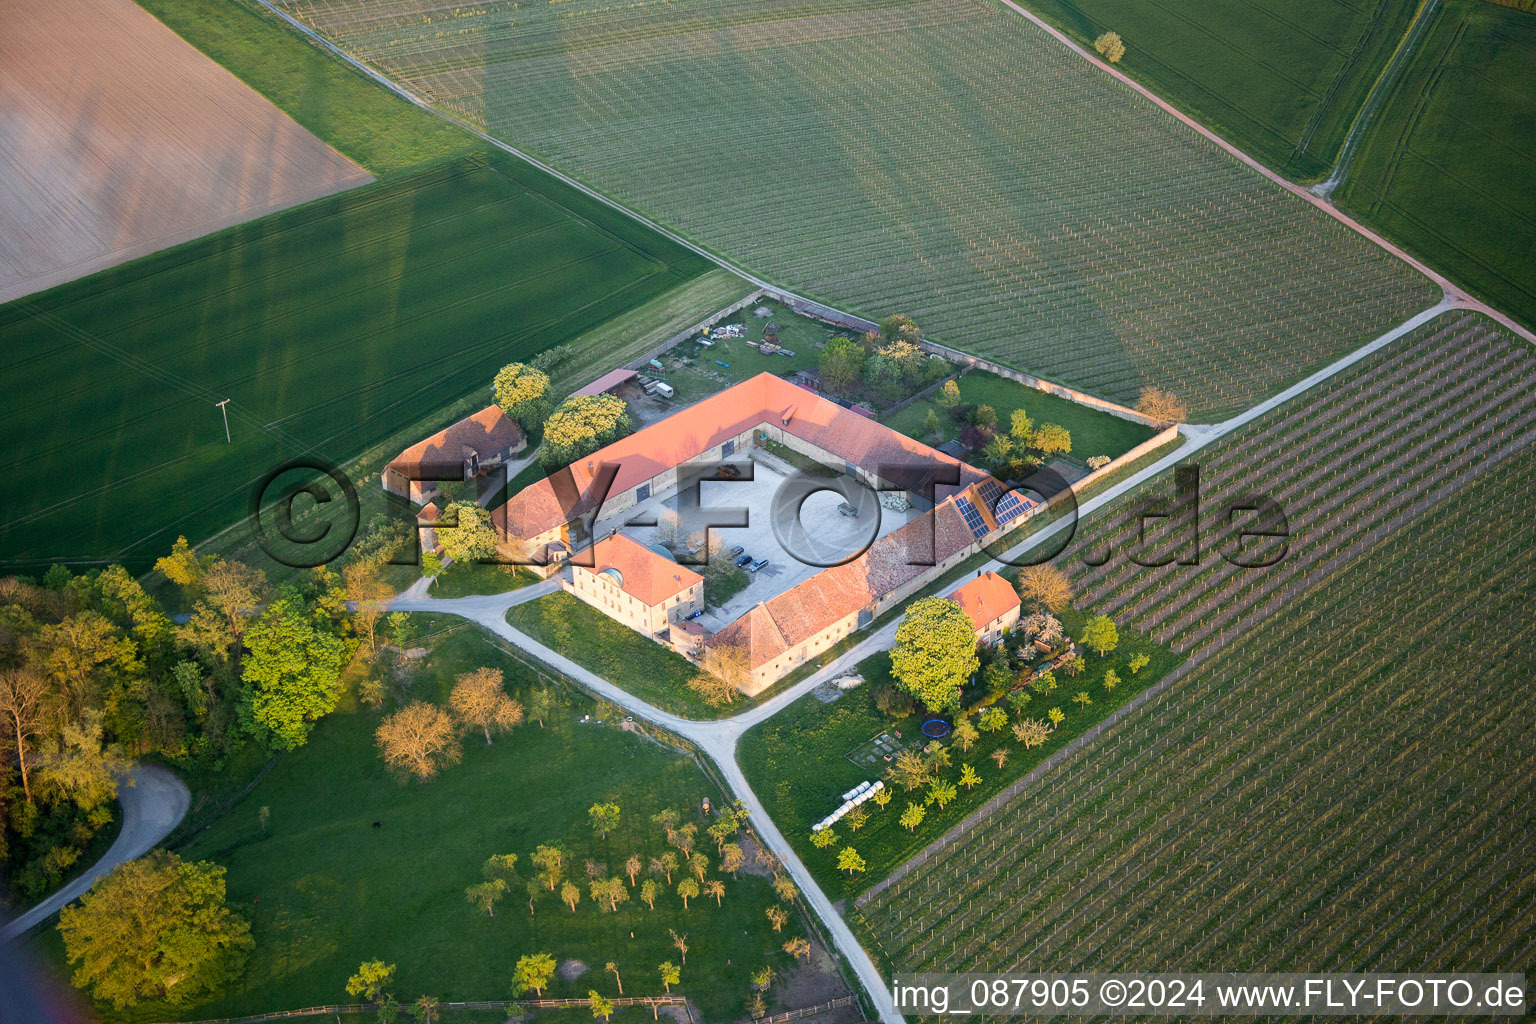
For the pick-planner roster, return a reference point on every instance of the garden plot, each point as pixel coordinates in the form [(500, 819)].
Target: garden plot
[(144, 144)]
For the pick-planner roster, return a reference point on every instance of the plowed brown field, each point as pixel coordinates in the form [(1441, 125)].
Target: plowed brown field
[(117, 138)]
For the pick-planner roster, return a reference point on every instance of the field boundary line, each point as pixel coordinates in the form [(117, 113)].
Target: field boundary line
[(1458, 296)]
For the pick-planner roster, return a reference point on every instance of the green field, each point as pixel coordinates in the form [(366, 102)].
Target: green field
[(643, 667), (943, 158), (329, 326), (1339, 776), (1448, 168), (798, 764), (1093, 432), (325, 890), (1280, 79)]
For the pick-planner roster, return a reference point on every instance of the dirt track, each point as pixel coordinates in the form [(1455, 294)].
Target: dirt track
[(117, 139)]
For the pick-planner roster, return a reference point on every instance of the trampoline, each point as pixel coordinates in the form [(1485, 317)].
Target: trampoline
[(935, 728)]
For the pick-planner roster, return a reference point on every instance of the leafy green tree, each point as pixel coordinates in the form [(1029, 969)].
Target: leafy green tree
[(935, 652), (840, 365), (1081, 699), (992, 719), (550, 860), (823, 838), (155, 928), (1052, 439), (293, 669), (716, 888), (785, 889), (649, 890), (670, 975), (609, 893), (1100, 634), (532, 973), (485, 894), (931, 424), (1111, 680), (849, 860), (913, 816), (968, 777), (763, 977), (600, 1007), (732, 857), (1056, 716), (466, 533), (521, 391), (900, 328), (541, 704), (371, 981), (949, 395), (605, 818), (1140, 662), (570, 895), (1021, 428), (885, 378), (941, 792), (580, 426), (1031, 732), (688, 889), (1110, 46)]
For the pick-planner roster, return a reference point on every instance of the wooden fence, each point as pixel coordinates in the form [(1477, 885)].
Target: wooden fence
[(806, 1011)]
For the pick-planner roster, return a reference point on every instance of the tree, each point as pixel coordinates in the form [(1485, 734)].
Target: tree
[(913, 816), (840, 365), (798, 947), (883, 796), (632, 866), (680, 943), (992, 719), (732, 858), (716, 888), (371, 981), (884, 377), (367, 592), (777, 916), (485, 894), (1077, 665), (713, 686), (910, 770), (1100, 634), (1056, 716), (849, 860), (26, 702), (293, 668), (532, 974), (935, 652), (1110, 47), (698, 864), (894, 701), (949, 395), (478, 701), (570, 894), (1111, 680), (823, 838), (425, 1009), (155, 928), (1081, 699), (687, 889), (613, 969), (74, 764), (1140, 662), (941, 792), (664, 865), (1045, 586), (419, 738), (550, 860), (541, 703), (466, 533), (670, 975), (184, 567), (931, 424), (785, 889), (1000, 758), (609, 893), (580, 426), (1052, 439), (649, 890), (968, 777), (520, 390), (78, 650), (1163, 406), (856, 818), (763, 977), (1031, 733), (600, 1007), (605, 818), (500, 865), (965, 735)]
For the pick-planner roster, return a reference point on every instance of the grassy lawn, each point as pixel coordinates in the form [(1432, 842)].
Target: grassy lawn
[(796, 761), (325, 889), (694, 369), (1447, 168), (599, 644), (329, 326), (1093, 432), (474, 579), (1281, 79)]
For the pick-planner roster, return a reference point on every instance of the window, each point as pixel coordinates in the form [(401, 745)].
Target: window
[(728, 449)]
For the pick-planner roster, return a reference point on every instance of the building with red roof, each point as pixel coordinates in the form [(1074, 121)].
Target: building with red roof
[(991, 603), (644, 589), (463, 451)]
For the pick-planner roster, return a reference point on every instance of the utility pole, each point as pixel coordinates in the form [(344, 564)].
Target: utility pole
[(225, 411)]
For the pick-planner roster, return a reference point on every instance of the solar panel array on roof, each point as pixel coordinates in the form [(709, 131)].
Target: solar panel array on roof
[(989, 491), (972, 517), (1010, 507)]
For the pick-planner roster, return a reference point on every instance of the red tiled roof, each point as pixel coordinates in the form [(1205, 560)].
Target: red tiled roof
[(486, 432), (429, 513), (985, 599), (690, 432), (644, 574)]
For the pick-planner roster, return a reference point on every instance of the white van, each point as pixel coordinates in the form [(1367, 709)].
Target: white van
[(664, 390)]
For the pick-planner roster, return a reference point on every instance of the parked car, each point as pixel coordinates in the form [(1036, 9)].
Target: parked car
[(744, 559), (757, 565), (736, 552)]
